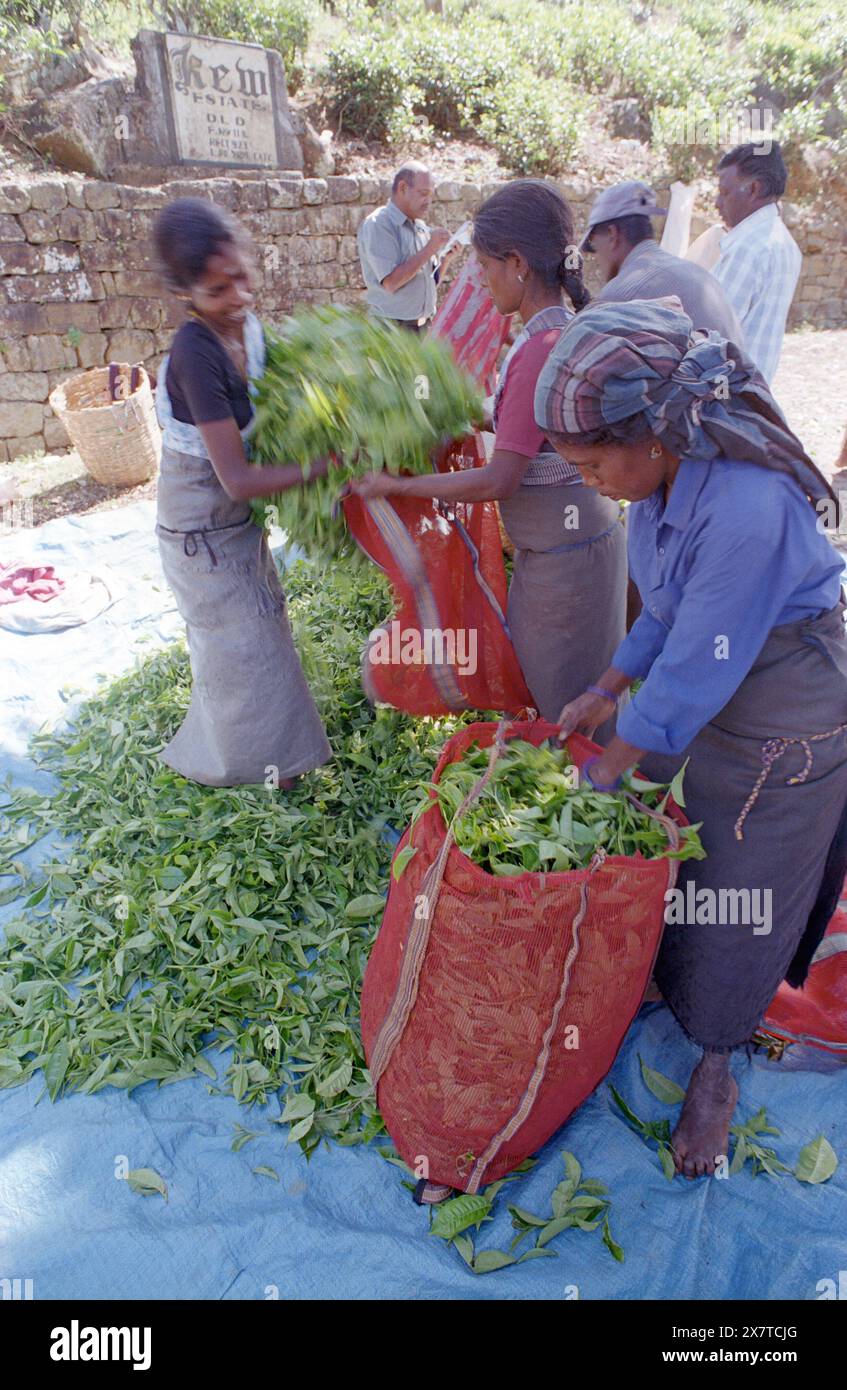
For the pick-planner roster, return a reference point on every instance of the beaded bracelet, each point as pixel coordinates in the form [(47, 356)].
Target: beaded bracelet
[(601, 690), (599, 786)]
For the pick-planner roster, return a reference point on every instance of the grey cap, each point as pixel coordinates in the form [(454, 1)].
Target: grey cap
[(628, 199)]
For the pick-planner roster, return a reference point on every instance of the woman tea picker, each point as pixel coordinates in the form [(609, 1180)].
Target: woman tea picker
[(741, 649), (567, 598), (251, 713)]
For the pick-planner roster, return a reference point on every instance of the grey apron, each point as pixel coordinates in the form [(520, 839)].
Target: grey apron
[(719, 979), (252, 718), (567, 598)]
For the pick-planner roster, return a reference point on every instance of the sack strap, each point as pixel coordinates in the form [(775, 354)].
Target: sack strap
[(426, 901), (539, 1071)]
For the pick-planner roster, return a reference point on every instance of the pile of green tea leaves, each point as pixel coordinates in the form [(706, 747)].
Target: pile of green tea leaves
[(534, 814), (179, 918), (343, 383)]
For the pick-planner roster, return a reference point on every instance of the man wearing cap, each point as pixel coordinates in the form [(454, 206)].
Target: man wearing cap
[(398, 252), (620, 234)]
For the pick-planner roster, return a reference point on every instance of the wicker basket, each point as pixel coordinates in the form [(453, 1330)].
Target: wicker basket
[(119, 441)]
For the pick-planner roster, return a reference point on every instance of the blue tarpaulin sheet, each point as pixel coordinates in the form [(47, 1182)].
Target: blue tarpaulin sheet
[(342, 1225)]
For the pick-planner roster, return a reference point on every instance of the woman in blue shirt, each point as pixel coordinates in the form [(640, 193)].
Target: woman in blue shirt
[(741, 650)]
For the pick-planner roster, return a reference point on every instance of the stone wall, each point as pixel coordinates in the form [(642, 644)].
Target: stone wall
[(77, 287)]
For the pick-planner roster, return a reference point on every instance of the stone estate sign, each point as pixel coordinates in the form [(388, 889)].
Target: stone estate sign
[(221, 101), (217, 102)]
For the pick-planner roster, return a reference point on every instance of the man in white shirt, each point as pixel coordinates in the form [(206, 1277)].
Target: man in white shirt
[(759, 261)]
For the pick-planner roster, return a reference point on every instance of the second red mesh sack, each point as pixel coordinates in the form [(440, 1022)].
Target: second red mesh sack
[(447, 645), (478, 985)]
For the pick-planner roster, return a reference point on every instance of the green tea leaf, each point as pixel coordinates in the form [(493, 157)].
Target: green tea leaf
[(337, 1081), (817, 1161), (147, 1182), (676, 786), (365, 908), (488, 1260), (528, 1217), (55, 1068), (661, 1086), (667, 1161), (459, 1213), (242, 1137), (624, 1108), (401, 860), (554, 1228), (297, 1107), (301, 1129), (611, 1245), (464, 1245)]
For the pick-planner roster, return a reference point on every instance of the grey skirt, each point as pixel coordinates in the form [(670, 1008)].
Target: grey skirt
[(567, 599), (724, 953), (252, 718)]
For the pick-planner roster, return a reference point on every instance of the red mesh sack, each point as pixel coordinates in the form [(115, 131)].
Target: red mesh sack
[(817, 1013), (448, 581), (476, 983)]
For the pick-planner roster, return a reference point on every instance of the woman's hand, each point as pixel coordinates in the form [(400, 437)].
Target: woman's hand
[(318, 469), (584, 714), (376, 485)]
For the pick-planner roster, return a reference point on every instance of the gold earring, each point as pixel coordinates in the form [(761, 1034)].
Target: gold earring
[(656, 451)]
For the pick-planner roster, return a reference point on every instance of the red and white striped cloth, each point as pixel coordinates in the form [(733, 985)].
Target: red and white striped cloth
[(471, 324)]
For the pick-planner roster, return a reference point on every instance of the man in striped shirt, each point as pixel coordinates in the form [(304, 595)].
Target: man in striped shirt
[(759, 261)]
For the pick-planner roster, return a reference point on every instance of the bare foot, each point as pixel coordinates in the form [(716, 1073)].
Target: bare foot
[(703, 1130)]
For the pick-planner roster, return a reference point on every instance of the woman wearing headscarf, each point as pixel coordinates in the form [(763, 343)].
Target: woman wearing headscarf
[(251, 716), (741, 650), (567, 598)]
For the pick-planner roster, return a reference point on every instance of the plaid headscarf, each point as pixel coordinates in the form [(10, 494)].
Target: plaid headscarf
[(629, 369)]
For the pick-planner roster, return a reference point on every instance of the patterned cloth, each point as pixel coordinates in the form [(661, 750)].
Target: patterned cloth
[(38, 582), (758, 267), (623, 371)]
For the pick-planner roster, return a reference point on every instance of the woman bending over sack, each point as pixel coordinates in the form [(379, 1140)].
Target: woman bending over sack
[(741, 649), (567, 598), (251, 710)]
